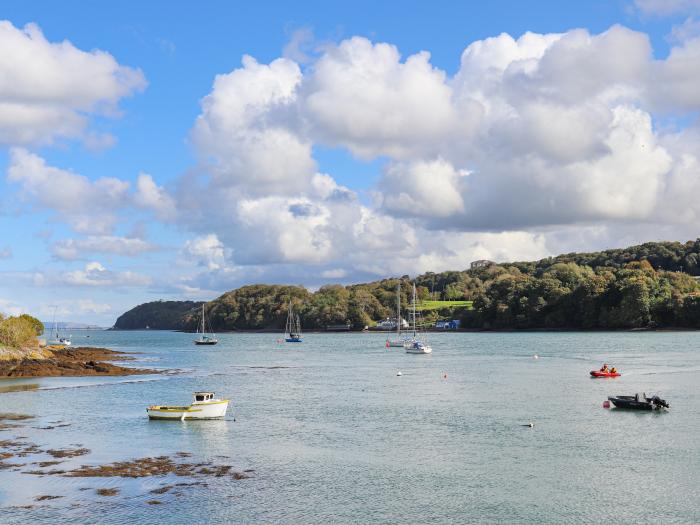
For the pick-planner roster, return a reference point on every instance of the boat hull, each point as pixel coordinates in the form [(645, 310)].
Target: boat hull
[(210, 410), (205, 342), (293, 340), (632, 403), (598, 373), (417, 348)]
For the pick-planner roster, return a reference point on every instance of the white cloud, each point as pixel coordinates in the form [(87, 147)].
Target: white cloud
[(48, 90), (535, 142), (95, 274), (423, 189), (88, 206), (207, 250), (362, 96), (69, 249), (531, 137), (243, 134), (152, 197)]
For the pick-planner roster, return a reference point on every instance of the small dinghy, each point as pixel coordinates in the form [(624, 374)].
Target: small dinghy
[(204, 406), (639, 402), (598, 373)]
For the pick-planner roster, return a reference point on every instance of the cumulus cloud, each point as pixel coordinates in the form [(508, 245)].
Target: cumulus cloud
[(49, 90), (207, 250), (423, 188), (88, 206), (95, 274), (362, 96), (243, 134), (534, 142), (70, 249), (532, 138), (152, 197)]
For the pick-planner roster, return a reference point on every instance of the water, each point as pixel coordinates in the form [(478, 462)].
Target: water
[(335, 436)]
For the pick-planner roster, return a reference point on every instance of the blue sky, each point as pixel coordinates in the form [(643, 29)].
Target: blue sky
[(341, 153)]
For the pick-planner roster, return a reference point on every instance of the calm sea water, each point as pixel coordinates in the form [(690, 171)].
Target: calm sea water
[(335, 436)]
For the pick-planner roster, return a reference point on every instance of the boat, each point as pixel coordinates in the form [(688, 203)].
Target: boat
[(598, 373), (292, 329), (58, 340), (415, 345), (204, 406), (206, 338), (638, 402), (399, 341)]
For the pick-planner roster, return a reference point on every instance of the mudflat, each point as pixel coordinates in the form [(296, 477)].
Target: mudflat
[(80, 361)]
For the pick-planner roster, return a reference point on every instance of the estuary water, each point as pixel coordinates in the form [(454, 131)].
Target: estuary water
[(334, 435)]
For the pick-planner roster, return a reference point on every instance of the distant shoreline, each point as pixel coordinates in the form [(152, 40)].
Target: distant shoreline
[(429, 330)]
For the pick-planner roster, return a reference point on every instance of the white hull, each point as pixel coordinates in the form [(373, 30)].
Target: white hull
[(206, 410), (420, 348), (424, 350)]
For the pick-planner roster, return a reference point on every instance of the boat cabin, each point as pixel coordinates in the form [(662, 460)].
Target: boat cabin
[(203, 397)]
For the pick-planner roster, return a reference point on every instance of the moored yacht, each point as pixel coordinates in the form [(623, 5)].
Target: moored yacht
[(415, 345)]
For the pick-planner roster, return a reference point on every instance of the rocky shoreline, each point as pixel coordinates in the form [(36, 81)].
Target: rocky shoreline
[(80, 361)]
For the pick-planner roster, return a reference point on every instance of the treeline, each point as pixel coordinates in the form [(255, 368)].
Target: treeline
[(650, 285), (566, 295), (158, 315)]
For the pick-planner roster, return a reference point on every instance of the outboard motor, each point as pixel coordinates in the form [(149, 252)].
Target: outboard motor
[(657, 402)]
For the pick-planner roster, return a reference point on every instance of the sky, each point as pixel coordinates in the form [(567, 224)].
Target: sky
[(177, 150)]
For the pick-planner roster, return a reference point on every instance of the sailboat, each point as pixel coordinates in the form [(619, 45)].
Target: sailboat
[(415, 345), (205, 338), (292, 330), (399, 341), (57, 339)]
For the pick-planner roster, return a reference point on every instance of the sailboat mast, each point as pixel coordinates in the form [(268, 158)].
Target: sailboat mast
[(414, 310), (398, 309)]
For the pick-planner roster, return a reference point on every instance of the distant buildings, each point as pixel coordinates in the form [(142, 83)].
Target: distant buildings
[(481, 263)]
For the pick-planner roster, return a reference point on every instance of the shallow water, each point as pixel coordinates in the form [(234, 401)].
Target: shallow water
[(335, 436)]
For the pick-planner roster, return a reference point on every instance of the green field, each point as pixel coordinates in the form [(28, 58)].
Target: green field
[(437, 305)]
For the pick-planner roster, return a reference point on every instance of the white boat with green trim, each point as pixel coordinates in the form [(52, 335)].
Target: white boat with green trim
[(204, 406)]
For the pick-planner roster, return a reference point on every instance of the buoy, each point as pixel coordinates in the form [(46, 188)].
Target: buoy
[(536, 356), (444, 376), (399, 373), (606, 404), (387, 344), (279, 340)]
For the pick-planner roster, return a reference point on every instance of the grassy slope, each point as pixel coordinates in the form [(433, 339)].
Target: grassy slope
[(437, 305)]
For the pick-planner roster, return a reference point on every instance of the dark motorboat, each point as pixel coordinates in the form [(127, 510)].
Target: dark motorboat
[(639, 402)]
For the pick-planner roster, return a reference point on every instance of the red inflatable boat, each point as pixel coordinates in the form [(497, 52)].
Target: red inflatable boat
[(598, 373)]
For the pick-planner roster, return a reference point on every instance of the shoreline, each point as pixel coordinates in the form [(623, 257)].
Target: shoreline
[(70, 362), (429, 330)]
